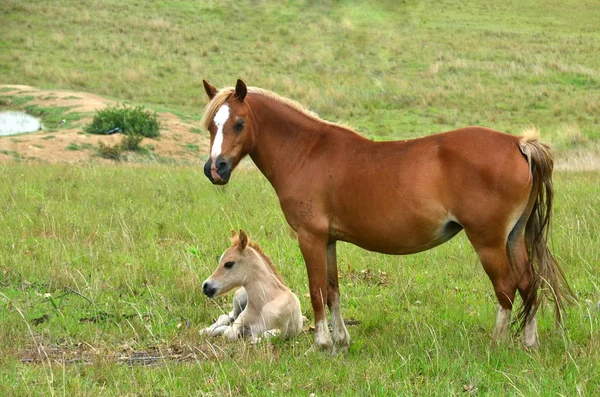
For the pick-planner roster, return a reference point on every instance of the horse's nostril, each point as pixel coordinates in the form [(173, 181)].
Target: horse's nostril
[(221, 165), (208, 290)]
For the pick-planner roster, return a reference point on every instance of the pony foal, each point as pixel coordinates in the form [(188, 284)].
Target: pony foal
[(265, 304)]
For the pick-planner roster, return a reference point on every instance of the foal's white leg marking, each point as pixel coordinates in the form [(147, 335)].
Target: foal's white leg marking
[(530, 335), (219, 120), (502, 323), (341, 338)]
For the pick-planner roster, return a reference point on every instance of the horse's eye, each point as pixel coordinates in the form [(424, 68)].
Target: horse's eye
[(239, 125), (229, 265)]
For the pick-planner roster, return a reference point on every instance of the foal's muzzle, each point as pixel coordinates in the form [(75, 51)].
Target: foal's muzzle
[(208, 289), (218, 170)]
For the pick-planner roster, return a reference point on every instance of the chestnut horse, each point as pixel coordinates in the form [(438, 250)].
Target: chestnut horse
[(397, 197)]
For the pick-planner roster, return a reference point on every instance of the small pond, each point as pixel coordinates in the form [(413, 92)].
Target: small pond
[(13, 123)]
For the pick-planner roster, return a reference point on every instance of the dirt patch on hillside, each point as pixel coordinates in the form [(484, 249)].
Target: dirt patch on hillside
[(179, 140)]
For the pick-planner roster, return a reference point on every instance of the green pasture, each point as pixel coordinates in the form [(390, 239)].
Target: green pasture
[(101, 266)]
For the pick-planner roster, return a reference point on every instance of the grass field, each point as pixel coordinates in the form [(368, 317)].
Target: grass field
[(102, 269), (101, 266)]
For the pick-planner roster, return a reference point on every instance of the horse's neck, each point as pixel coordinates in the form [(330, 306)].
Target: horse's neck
[(264, 285), (284, 139)]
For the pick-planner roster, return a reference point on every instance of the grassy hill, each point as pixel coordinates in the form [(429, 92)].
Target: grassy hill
[(388, 68)]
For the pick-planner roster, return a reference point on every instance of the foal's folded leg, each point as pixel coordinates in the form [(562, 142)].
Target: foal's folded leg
[(232, 332), (240, 301), (220, 330), (239, 328), (218, 327)]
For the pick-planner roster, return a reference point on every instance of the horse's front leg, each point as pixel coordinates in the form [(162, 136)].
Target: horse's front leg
[(315, 256), (341, 338)]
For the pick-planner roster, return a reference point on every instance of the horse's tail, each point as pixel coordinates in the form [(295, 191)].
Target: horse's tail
[(548, 277)]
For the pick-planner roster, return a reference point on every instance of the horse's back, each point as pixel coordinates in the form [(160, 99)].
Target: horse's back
[(409, 196), (457, 161)]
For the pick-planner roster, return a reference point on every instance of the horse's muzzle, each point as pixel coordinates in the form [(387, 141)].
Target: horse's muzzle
[(208, 289), (218, 170)]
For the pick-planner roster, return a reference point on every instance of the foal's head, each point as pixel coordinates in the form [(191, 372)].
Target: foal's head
[(238, 264), (229, 120)]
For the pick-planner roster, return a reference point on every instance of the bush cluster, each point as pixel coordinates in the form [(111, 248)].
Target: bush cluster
[(128, 120)]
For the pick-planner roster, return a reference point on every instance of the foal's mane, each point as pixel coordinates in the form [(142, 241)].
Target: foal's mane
[(235, 241), (221, 97)]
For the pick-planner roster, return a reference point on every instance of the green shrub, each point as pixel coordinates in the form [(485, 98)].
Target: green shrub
[(129, 121), (131, 142)]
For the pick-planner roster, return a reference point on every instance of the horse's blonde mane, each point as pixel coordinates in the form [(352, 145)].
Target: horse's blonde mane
[(235, 242), (220, 98)]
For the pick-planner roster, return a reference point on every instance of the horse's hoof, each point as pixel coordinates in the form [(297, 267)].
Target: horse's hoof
[(339, 349), (341, 342), (531, 345)]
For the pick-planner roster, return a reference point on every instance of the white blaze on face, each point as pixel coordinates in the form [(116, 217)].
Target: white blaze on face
[(219, 120)]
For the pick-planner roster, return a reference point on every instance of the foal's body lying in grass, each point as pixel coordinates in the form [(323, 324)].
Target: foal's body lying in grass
[(270, 305)]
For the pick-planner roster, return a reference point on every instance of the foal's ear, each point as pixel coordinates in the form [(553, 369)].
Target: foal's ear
[(243, 239), (240, 90), (210, 90)]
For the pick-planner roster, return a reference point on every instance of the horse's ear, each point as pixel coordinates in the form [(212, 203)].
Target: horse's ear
[(210, 90), (240, 90), (243, 239), (234, 234)]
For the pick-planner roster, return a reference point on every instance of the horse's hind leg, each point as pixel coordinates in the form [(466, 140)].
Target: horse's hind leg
[(493, 256), (525, 277), (496, 264), (341, 338)]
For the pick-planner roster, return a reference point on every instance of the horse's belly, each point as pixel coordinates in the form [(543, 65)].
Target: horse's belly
[(396, 240)]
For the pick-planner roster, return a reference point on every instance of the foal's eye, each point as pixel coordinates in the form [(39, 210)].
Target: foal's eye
[(229, 265), (239, 125)]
